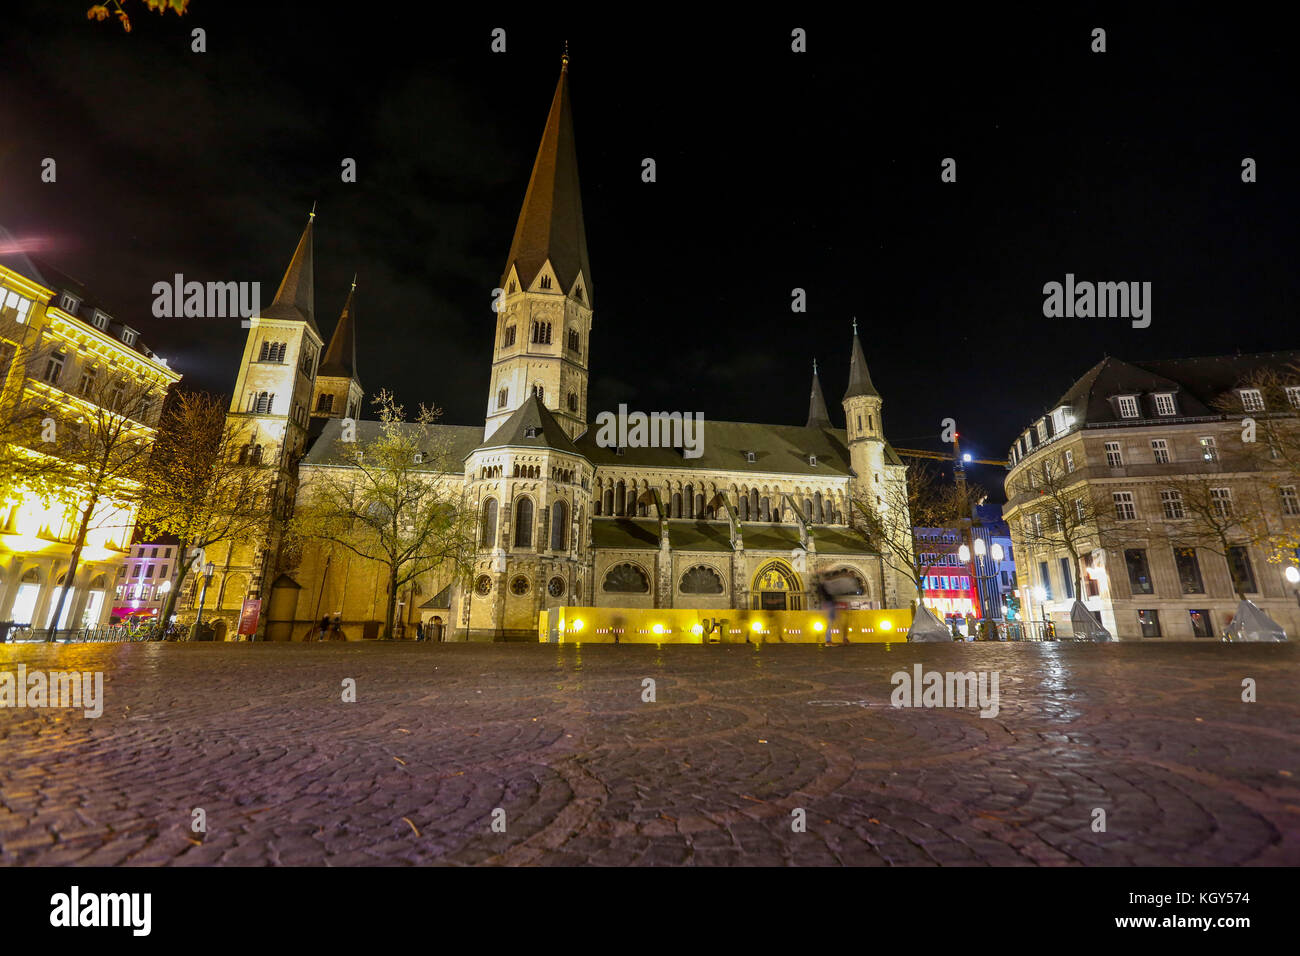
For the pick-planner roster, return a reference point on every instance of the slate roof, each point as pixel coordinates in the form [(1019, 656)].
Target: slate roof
[(532, 414), (859, 376), (550, 222), (778, 449), (460, 440), (340, 359), (621, 534), (818, 416), (1195, 382), (296, 297), (47, 275)]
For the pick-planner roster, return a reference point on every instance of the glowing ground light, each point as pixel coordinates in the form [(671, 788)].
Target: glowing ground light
[(658, 628), (886, 625), (756, 626), (697, 630), (576, 626), (819, 626)]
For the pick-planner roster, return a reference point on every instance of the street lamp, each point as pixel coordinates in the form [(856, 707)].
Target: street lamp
[(1292, 574), (208, 569)]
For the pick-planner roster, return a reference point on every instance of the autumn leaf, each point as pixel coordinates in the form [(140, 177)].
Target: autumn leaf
[(97, 12)]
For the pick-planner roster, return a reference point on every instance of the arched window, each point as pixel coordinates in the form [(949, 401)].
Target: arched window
[(744, 507), (539, 392), (626, 579), (620, 499), (676, 511), (609, 502), (524, 523), (546, 282), (807, 509), (819, 510), (559, 526), (489, 535), (753, 504), (573, 401), (701, 580), (699, 505), (764, 509), (510, 336), (688, 495)]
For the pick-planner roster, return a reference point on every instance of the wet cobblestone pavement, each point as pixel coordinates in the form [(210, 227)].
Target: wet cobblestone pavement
[(586, 772)]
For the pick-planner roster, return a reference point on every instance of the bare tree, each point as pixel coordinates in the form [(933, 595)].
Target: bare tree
[(1215, 514), (1062, 514), (201, 487), (396, 499), (896, 528), (97, 461)]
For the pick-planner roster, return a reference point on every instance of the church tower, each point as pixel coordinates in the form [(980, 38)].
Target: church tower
[(864, 428), (338, 392), (269, 415), (544, 305), (818, 415)]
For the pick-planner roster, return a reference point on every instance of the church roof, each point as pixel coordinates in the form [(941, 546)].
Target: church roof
[(818, 416), (296, 297), (340, 359), (531, 426), (779, 449), (859, 377), (550, 223), (450, 445)]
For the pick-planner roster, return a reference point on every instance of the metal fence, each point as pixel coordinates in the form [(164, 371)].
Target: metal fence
[(100, 634)]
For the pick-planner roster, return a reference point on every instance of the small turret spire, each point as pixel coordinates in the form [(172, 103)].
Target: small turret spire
[(564, 60), (311, 216), (818, 416)]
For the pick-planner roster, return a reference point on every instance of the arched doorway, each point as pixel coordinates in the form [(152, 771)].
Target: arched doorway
[(776, 588)]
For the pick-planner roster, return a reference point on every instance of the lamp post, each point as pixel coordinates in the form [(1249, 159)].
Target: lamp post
[(1292, 574), (208, 570)]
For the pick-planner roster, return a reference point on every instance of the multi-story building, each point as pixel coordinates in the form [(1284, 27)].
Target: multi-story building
[(145, 580), (947, 582), (62, 352), (1122, 488)]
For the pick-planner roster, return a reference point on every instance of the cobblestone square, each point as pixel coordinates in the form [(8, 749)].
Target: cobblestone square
[(582, 770)]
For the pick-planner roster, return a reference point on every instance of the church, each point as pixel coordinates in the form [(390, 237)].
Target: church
[(747, 520)]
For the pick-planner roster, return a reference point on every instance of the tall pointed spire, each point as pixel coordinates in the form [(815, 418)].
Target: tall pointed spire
[(296, 297), (818, 416), (859, 377), (550, 223), (340, 359)]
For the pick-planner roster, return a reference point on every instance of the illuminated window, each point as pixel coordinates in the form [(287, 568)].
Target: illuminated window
[(1209, 449), (54, 367), (1128, 406)]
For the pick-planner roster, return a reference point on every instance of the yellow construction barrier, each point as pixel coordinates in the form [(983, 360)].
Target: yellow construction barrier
[(608, 625)]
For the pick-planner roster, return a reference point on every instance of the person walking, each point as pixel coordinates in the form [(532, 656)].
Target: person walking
[(419, 630)]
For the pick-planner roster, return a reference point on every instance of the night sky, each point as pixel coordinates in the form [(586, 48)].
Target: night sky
[(775, 171)]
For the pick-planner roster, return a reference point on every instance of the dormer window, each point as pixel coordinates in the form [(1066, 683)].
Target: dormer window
[(1293, 396), (750, 457), (69, 303), (530, 431), (1165, 403), (100, 320), (419, 458), (1128, 406), (812, 460), (128, 335), (1252, 400), (619, 450)]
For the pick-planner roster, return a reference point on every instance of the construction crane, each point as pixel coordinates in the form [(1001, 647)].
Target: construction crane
[(959, 461)]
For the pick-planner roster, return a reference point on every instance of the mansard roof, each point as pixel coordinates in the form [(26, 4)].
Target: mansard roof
[(1195, 382)]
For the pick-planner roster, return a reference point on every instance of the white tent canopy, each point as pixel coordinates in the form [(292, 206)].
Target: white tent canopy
[(1086, 627), (1252, 624), (928, 628)]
